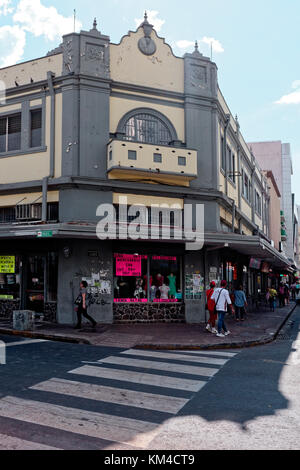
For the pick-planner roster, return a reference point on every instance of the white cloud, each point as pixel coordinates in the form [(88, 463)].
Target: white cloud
[(153, 19), (12, 45), (216, 45), (293, 97), (39, 20), (5, 7), (211, 42)]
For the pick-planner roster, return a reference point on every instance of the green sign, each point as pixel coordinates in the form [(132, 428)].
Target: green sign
[(45, 234), (7, 264)]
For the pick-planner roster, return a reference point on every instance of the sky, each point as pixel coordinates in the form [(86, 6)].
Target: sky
[(256, 46)]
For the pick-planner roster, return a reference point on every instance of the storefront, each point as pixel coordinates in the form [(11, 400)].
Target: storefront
[(148, 286), (28, 281)]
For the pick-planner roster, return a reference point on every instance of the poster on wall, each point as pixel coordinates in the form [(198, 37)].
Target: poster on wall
[(7, 264), (194, 286)]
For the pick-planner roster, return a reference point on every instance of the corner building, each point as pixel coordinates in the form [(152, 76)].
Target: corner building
[(93, 123)]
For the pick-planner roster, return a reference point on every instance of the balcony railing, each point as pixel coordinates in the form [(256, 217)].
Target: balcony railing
[(151, 163)]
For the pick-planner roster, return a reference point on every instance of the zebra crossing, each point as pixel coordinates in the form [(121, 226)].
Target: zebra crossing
[(118, 402)]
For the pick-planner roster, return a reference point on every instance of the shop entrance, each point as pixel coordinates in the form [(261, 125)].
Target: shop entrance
[(35, 283)]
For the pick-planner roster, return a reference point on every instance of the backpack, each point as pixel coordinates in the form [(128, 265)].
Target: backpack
[(281, 290)]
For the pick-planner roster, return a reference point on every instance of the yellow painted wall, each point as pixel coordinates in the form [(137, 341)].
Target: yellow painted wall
[(27, 198), (35, 69), (136, 199), (161, 70), (246, 209)]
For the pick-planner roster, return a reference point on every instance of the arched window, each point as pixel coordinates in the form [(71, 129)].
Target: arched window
[(147, 128)]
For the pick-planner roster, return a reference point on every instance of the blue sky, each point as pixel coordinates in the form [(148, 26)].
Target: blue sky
[(256, 46)]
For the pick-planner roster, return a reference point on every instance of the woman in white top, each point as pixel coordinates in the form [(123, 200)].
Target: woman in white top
[(222, 300)]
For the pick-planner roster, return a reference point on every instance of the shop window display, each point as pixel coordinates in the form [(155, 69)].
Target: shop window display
[(147, 278)]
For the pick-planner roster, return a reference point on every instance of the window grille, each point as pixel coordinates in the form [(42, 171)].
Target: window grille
[(10, 133), (148, 129)]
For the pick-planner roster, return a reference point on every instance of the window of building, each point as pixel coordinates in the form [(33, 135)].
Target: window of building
[(36, 128), (148, 129), (157, 158), (10, 133), (132, 155), (182, 161), (246, 187), (143, 278), (223, 155), (258, 205), (230, 164)]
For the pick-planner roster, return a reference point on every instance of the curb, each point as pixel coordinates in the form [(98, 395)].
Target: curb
[(235, 345), (265, 339)]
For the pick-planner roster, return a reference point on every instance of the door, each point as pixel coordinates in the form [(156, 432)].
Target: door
[(35, 283)]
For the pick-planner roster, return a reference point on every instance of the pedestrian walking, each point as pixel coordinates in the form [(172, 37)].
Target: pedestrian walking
[(240, 303), (281, 295), (287, 294), (293, 289), (82, 305), (222, 300), (211, 306), (271, 298)]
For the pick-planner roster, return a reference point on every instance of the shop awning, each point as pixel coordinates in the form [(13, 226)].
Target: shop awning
[(253, 246)]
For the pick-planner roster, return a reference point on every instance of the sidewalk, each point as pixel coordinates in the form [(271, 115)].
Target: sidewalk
[(258, 328)]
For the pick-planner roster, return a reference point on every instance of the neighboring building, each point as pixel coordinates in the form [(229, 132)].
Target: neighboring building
[(298, 241), (96, 123), (275, 217), (276, 156)]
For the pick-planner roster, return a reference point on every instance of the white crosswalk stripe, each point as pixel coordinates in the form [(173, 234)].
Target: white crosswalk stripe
[(173, 356), (164, 374), (115, 395), (109, 427), (165, 366), (140, 378)]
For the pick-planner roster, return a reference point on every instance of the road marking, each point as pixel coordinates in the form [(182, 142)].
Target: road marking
[(92, 424), (165, 366), (140, 378), (24, 343), (14, 443), (178, 357), (209, 353), (148, 401)]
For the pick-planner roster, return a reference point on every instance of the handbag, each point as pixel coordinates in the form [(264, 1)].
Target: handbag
[(78, 301)]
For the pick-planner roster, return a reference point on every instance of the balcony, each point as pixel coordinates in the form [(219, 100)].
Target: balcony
[(134, 161)]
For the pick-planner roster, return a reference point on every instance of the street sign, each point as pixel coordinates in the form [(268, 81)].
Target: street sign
[(45, 234)]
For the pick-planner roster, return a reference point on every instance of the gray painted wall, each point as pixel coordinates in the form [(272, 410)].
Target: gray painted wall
[(71, 272)]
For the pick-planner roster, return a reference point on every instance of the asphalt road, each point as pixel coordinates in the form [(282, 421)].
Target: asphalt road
[(67, 396)]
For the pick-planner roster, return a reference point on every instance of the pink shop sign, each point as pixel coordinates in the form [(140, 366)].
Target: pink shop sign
[(128, 265)]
